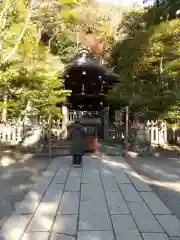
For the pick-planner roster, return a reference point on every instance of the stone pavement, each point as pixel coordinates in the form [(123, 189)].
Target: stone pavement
[(105, 200)]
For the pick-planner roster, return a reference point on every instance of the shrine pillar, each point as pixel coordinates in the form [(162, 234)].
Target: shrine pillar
[(106, 123)]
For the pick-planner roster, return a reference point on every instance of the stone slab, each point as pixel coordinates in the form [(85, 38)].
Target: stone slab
[(170, 224), (145, 220), (91, 176), (137, 181), (14, 226), (155, 236), (110, 184), (92, 161), (75, 172), (118, 162), (32, 199), (116, 203), (56, 236), (73, 184), (106, 171), (124, 224), (154, 203), (94, 217), (120, 176), (53, 193), (98, 235), (36, 236), (42, 220), (69, 203), (61, 176), (41, 186), (26, 207), (9, 235), (51, 170), (66, 224), (92, 193), (132, 235), (16, 221), (130, 193)]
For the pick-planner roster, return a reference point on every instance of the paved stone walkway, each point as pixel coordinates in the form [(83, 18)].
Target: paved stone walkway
[(105, 200)]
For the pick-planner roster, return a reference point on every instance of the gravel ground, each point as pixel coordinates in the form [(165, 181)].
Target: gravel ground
[(16, 179), (163, 174)]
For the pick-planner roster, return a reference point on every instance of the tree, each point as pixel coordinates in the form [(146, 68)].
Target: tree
[(163, 10), (148, 64), (87, 18), (12, 32), (26, 64)]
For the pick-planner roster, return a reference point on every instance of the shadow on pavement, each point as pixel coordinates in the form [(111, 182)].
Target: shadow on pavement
[(163, 175), (16, 179)]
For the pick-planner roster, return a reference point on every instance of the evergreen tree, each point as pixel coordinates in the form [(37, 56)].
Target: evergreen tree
[(147, 62)]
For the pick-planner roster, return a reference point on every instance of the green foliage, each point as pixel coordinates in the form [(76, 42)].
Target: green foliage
[(101, 20), (31, 72), (147, 61)]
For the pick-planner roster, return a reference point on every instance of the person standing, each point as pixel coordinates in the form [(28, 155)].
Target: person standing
[(78, 143)]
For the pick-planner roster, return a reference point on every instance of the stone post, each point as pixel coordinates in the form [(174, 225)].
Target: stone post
[(64, 121), (165, 132), (157, 132), (106, 123)]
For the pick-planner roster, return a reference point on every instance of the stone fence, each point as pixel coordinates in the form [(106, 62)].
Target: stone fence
[(154, 132)]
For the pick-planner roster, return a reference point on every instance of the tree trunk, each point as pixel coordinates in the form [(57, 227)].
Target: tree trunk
[(49, 134), (127, 132), (4, 109)]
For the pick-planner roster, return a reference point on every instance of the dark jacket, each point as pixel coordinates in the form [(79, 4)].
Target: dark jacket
[(78, 140)]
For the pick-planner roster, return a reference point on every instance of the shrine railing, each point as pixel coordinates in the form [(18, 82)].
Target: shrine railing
[(73, 115)]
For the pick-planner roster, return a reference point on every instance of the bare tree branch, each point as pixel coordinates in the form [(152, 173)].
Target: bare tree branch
[(2, 34), (7, 8), (19, 40)]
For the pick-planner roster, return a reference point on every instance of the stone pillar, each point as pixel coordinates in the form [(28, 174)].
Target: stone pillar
[(152, 132), (157, 133), (64, 121), (165, 132), (106, 123)]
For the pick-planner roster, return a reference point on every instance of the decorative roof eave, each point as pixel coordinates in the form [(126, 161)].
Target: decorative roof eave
[(111, 75)]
